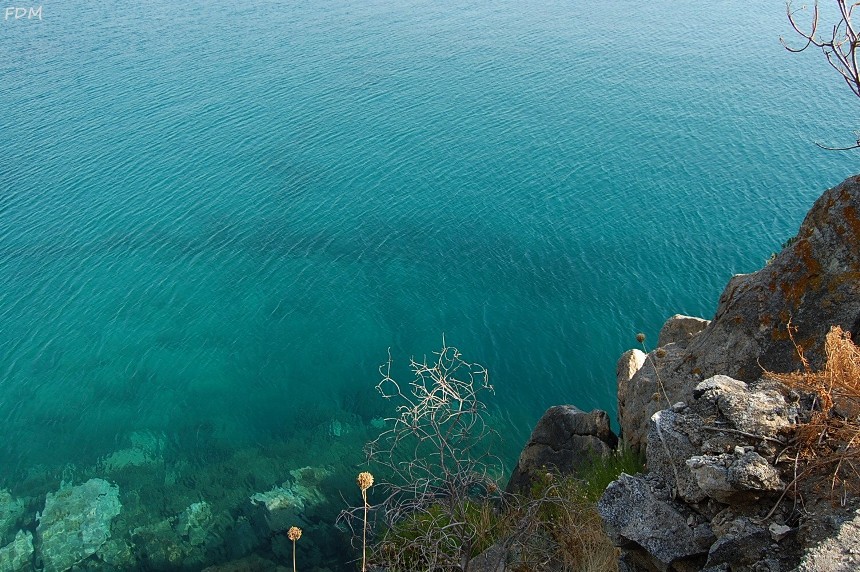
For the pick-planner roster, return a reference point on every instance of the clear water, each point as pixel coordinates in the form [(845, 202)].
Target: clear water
[(215, 217)]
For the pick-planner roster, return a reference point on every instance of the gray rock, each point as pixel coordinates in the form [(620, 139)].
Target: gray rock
[(76, 523), (635, 517), (660, 382), (813, 282), (493, 559), (668, 449), (195, 523), (563, 440), (735, 478), (18, 555), (290, 504), (840, 553), (761, 411), (680, 329), (628, 364), (11, 512), (741, 546)]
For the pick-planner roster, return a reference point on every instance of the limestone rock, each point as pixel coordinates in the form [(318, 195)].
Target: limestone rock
[(11, 512), (146, 449), (18, 555), (563, 439), (813, 283), (76, 523), (290, 504), (680, 329), (660, 382), (840, 553), (636, 517), (734, 478), (629, 363), (761, 411), (668, 449), (195, 523), (740, 546)]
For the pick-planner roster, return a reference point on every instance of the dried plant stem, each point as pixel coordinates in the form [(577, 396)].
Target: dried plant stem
[(364, 534)]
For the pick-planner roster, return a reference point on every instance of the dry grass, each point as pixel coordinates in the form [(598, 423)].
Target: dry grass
[(826, 445)]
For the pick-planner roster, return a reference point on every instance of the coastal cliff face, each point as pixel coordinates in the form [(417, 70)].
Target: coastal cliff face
[(716, 429), (813, 284)]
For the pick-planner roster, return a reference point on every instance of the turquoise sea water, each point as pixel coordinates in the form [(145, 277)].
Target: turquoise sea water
[(215, 218)]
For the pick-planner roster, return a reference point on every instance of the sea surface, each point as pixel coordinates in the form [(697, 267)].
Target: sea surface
[(217, 218)]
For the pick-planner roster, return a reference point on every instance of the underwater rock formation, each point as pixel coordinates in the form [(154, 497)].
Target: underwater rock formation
[(18, 555), (76, 523)]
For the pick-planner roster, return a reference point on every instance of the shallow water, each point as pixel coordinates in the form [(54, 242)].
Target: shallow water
[(215, 219)]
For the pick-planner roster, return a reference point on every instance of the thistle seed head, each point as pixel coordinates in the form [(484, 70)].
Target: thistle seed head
[(364, 480)]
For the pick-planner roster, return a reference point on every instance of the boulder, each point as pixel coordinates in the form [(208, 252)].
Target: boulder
[(812, 284), (76, 523), (18, 555), (735, 478), (669, 447), (11, 513), (658, 384), (563, 440), (680, 329), (839, 553), (293, 503), (639, 518), (762, 411)]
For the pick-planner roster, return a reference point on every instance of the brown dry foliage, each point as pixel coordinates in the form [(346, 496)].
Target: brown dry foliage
[(826, 446)]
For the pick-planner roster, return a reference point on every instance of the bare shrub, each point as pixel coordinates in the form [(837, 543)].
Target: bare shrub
[(839, 42), (441, 505)]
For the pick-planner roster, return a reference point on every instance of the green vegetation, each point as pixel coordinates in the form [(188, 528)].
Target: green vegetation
[(441, 501)]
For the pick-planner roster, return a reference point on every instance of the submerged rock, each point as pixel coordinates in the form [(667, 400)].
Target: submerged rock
[(18, 555), (76, 523), (146, 449), (564, 439), (11, 512)]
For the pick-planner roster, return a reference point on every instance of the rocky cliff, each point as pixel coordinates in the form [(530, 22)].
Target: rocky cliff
[(721, 492)]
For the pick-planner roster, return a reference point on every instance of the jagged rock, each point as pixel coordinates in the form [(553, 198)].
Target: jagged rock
[(184, 541), (18, 555), (493, 559), (635, 517), (740, 546), (628, 364), (813, 283), (195, 523), (840, 553), (763, 411), (680, 329), (76, 523), (654, 386), (290, 504), (11, 512), (668, 449), (734, 478), (562, 440)]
